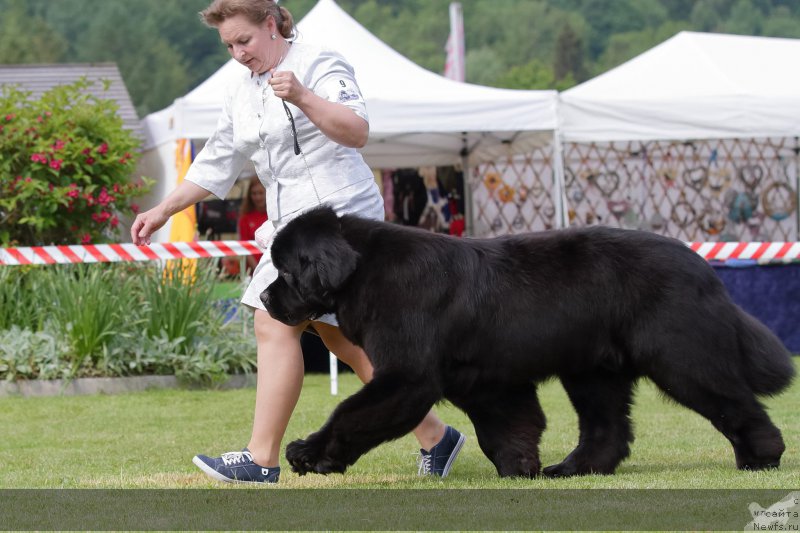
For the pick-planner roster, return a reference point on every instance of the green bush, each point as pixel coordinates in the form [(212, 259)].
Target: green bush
[(65, 167), (20, 298), (89, 305), (177, 301), (119, 320), (27, 354)]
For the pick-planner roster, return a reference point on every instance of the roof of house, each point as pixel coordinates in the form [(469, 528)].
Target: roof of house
[(41, 77)]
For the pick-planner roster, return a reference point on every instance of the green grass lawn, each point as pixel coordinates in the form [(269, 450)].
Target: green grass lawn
[(147, 440)]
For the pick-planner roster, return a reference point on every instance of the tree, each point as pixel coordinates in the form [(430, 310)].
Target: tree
[(483, 66), (569, 55), (678, 9), (624, 46), (28, 39), (744, 19), (707, 15), (533, 75), (781, 24), (608, 17), (154, 71)]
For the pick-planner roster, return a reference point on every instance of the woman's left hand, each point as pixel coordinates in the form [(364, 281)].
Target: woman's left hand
[(287, 87)]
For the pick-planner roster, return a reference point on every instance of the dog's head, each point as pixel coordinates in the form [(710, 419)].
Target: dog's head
[(314, 261)]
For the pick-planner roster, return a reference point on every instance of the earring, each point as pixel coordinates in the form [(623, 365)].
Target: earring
[(273, 36)]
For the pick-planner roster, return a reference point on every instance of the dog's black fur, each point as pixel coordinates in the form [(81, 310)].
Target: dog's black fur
[(481, 321)]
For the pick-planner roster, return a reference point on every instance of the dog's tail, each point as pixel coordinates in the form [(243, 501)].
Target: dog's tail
[(767, 363)]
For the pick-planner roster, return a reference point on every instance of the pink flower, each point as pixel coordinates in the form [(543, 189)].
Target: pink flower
[(59, 144), (114, 221), (135, 209), (73, 191), (10, 117), (86, 151), (39, 158), (103, 198), (28, 179), (101, 217), (90, 160), (55, 164), (86, 239), (103, 148)]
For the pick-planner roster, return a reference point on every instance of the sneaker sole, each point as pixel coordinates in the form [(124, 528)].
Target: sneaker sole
[(210, 472), (453, 455)]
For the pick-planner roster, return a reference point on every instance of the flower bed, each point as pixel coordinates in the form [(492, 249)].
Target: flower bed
[(120, 319)]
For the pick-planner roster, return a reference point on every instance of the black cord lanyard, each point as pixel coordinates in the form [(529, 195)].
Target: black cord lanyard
[(294, 129)]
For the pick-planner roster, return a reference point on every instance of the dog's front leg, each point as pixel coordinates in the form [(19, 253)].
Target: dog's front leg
[(386, 408)]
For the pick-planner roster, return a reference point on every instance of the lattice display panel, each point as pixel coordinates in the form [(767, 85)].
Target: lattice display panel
[(514, 195), (708, 190)]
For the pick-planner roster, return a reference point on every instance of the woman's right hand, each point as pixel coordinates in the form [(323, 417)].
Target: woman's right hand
[(146, 224)]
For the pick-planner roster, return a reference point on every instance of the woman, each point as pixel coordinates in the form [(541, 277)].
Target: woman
[(252, 216), (299, 116)]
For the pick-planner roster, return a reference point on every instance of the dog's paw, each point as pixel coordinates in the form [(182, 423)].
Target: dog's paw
[(569, 468), (560, 470), (306, 456)]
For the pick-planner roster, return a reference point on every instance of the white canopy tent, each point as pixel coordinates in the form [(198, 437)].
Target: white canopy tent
[(691, 86), (417, 118), (716, 115)]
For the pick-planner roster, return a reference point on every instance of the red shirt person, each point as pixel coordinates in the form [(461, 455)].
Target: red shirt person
[(252, 215)]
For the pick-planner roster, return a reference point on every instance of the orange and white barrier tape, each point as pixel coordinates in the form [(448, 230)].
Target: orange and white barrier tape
[(761, 252), (113, 253)]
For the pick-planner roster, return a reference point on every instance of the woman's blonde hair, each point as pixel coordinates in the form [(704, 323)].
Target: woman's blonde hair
[(256, 11)]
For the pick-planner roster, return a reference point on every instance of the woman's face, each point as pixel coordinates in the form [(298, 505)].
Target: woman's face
[(250, 44), (258, 196)]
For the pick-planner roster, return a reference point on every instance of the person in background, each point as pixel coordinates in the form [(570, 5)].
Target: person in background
[(252, 215), (299, 116)]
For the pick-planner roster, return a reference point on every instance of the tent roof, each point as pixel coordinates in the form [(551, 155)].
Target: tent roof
[(416, 117), (691, 86)]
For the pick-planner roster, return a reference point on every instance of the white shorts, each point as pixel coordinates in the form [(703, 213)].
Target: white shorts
[(365, 201)]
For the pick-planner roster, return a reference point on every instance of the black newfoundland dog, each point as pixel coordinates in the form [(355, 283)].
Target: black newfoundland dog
[(481, 321)]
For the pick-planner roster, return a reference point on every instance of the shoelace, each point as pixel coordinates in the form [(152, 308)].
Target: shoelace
[(423, 464), (232, 458)]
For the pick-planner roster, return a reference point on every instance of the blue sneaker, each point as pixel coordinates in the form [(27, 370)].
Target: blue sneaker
[(237, 467), (439, 460)]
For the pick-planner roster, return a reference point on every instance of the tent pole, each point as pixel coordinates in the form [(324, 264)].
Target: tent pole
[(559, 185), (797, 187), (467, 179)]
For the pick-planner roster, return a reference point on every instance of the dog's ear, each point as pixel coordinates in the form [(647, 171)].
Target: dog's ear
[(335, 261)]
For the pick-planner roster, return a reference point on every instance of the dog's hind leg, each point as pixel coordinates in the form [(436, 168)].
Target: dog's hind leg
[(509, 423), (602, 400), (386, 408), (735, 412)]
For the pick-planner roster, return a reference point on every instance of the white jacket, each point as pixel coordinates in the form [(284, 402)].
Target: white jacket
[(254, 126)]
